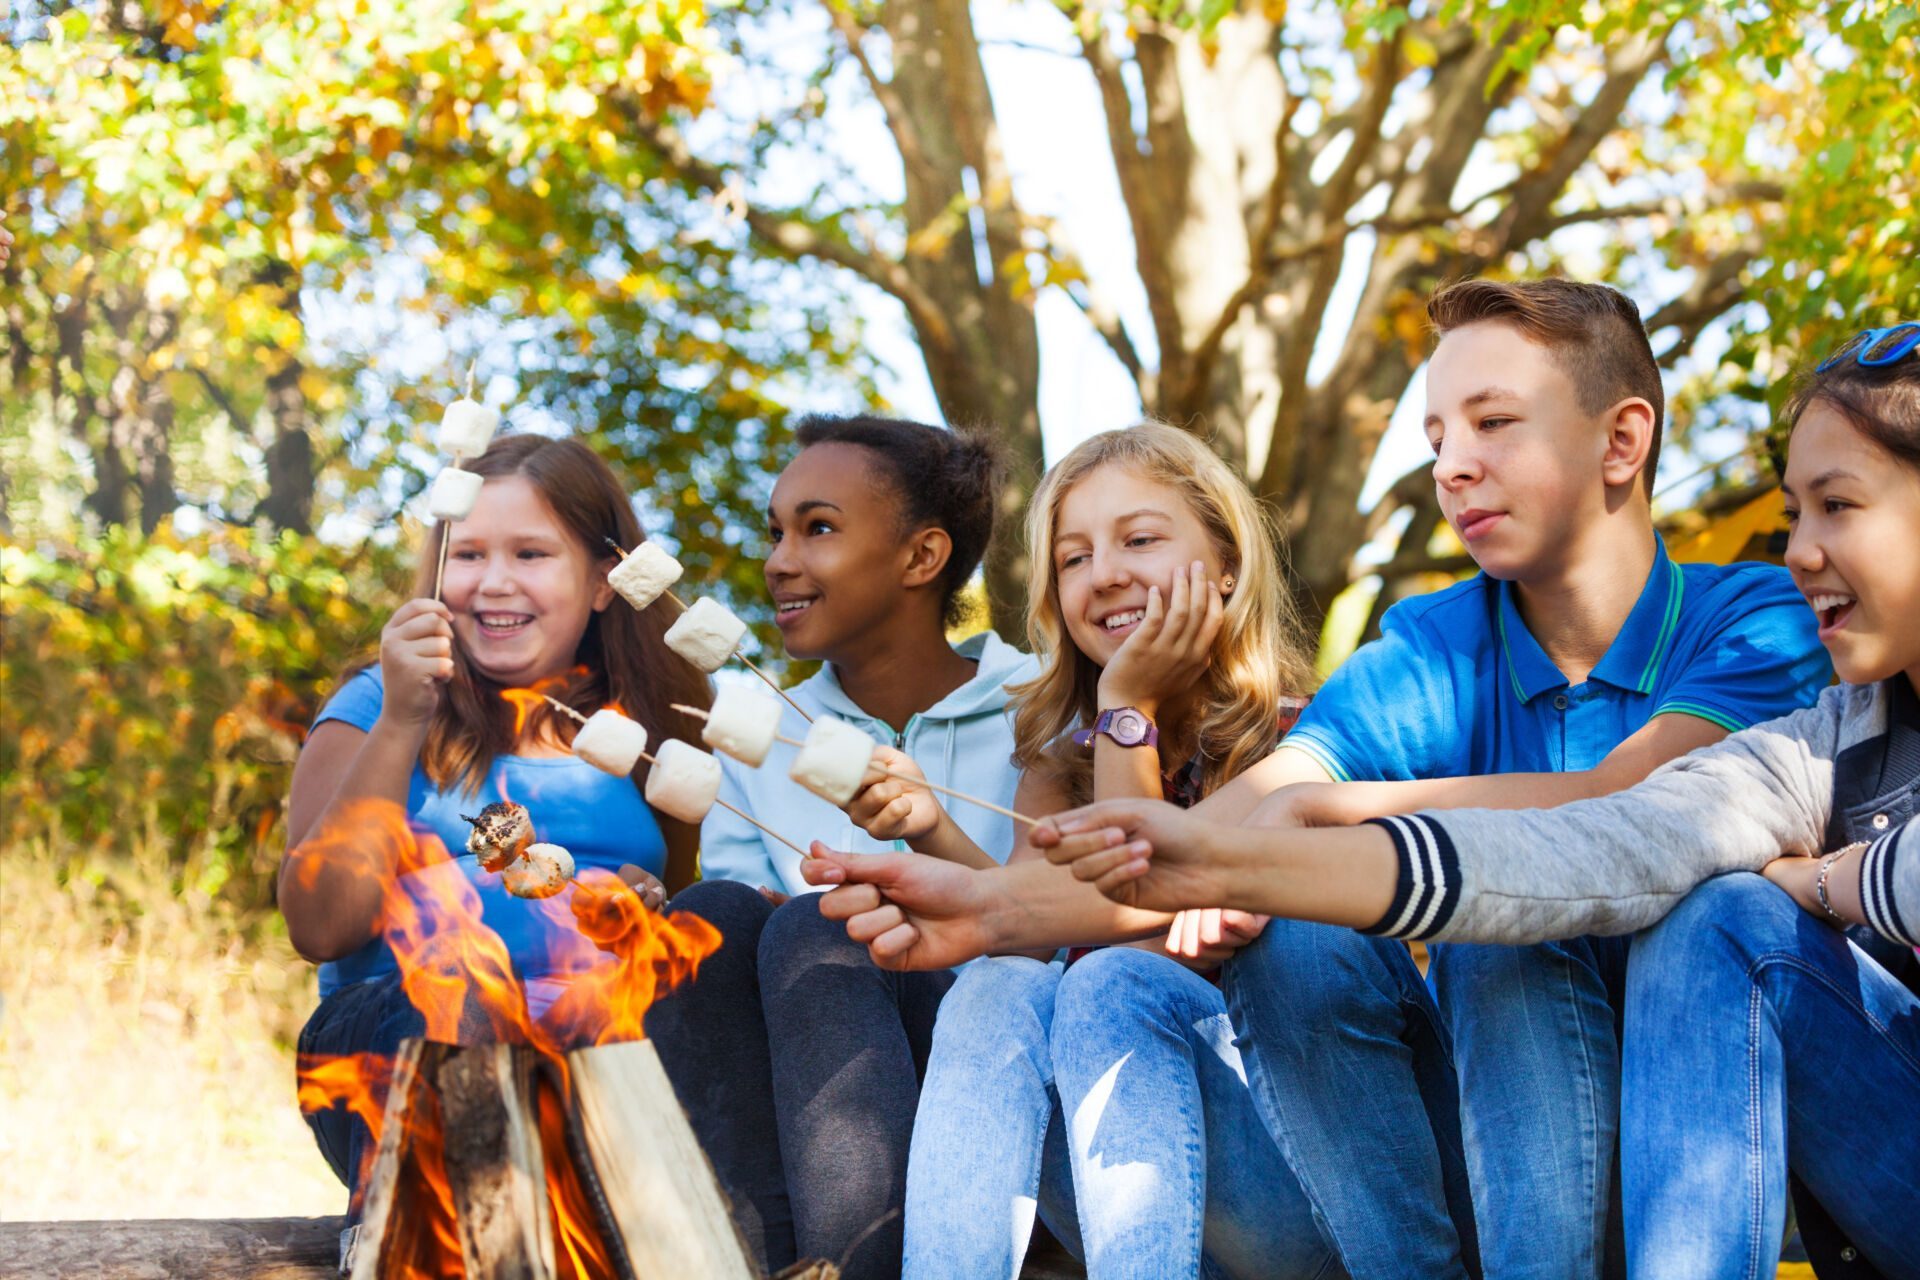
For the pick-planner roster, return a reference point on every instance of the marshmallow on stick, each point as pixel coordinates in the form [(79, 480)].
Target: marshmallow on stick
[(644, 582), (739, 813), (643, 574), (541, 872), (500, 834), (743, 723), (611, 742), (453, 494), (706, 634), (467, 426), (827, 760), (684, 781)]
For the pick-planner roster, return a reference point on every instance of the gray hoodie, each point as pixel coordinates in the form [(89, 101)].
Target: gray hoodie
[(964, 741), (1619, 863)]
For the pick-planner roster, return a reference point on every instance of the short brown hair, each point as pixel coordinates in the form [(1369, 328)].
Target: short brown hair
[(1593, 333)]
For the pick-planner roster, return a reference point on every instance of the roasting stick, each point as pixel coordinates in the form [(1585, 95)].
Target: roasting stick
[(903, 777), (748, 662), (558, 705), (446, 526)]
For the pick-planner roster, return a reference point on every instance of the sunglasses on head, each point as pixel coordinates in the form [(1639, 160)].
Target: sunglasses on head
[(1876, 348)]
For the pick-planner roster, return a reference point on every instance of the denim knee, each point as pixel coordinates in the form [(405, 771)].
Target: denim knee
[(737, 910), (1318, 972), (999, 995), (1121, 985), (1733, 918)]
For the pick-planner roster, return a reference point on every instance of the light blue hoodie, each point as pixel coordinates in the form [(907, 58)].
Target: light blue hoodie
[(964, 741)]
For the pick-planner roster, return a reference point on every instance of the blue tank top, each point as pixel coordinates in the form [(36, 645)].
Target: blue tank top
[(600, 819)]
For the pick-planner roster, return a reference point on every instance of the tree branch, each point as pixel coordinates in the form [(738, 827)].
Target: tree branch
[(791, 236), (1093, 304), (899, 121), (1672, 206), (1714, 289)]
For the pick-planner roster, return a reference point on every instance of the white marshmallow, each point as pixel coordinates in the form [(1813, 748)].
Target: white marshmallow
[(743, 722), (644, 574), (706, 634), (542, 872), (467, 427), (834, 760), (610, 741), (453, 494), (683, 781)]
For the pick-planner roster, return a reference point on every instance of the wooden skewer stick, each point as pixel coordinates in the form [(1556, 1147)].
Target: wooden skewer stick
[(890, 773), (744, 659), (561, 706), (440, 569)]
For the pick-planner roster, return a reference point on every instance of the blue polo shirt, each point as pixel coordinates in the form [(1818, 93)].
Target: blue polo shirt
[(600, 819), (1456, 685)]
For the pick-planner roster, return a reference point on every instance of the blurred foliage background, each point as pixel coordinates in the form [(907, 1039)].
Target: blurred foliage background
[(261, 244)]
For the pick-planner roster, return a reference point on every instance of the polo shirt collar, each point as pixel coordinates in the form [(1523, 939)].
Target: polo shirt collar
[(1632, 661)]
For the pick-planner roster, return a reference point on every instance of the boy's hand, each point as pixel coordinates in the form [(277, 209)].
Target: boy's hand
[(1170, 650), (1209, 936), (416, 661), (893, 808), (911, 911), (1140, 853)]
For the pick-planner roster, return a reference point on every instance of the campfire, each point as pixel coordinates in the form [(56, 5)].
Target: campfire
[(546, 1147)]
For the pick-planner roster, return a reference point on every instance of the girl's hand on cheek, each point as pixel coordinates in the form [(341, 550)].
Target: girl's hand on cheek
[(416, 661), (1171, 648)]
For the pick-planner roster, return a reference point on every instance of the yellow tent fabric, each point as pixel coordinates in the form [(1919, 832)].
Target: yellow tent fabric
[(1726, 535)]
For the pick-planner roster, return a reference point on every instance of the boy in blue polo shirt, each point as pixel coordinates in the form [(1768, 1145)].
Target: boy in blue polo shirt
[(1581, 659)]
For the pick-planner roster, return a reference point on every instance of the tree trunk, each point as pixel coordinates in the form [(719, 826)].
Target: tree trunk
[(289, 500)]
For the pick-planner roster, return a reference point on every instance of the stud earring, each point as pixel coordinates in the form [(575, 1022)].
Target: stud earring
[(1226, 584)]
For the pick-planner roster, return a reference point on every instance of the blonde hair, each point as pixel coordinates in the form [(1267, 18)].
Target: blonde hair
[(1257, 658)]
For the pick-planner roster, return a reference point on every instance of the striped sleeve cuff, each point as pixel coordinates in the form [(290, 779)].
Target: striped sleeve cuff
[(1428, 888), (1884, 916)]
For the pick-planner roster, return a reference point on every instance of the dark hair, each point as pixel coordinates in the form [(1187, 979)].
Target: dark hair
[(949, 480), (1593, 332), (1882, 403), (623, 658)]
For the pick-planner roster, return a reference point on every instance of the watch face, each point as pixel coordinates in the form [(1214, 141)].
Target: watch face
[(1129, 727)]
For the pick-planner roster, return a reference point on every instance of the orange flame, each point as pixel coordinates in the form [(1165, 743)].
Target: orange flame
[(612, 958), (534, 698)]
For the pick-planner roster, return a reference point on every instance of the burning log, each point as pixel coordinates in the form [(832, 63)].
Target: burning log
[(495, 1163)]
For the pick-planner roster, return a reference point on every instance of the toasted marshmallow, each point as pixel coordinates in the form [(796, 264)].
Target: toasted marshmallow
[(683, 781), (706, 634), (644, 575), (453, 494), (610, 741), (500, 834), (833, 762), (541, 873), (467, 427), (743, 722)]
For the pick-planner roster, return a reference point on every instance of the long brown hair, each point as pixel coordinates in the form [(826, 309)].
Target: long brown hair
[(622, 660), (1258, 659)]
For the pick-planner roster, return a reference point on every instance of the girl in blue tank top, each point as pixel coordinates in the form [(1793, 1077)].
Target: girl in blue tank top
[(426, 735)]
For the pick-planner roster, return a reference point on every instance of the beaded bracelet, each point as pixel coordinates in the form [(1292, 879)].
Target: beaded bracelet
[(1820, 885)]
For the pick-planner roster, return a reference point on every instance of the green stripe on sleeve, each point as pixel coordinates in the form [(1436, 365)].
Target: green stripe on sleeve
[(1320, 755), (1720, 718)]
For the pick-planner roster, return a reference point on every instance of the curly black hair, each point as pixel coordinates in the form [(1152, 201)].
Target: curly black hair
[(949, 480)]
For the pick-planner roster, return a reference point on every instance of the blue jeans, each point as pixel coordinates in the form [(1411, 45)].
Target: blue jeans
[(1757, 1036), (1536, 1050), (1172, 1172), (1351, 1072)]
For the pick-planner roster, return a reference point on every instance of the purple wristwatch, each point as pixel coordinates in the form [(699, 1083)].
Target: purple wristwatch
[(1128, 726)]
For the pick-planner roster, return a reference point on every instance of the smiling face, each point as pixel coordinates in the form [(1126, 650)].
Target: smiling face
[(1520, 470), (837, 559), (1117, 535), (520, 586), (1854, 509)]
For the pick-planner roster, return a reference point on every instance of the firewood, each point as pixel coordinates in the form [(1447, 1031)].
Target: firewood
[(671, 1214), (494, 1163), (207, 1249), (386, 1237)]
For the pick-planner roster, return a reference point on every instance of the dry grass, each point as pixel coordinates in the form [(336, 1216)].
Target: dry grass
[(146, 1050)]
